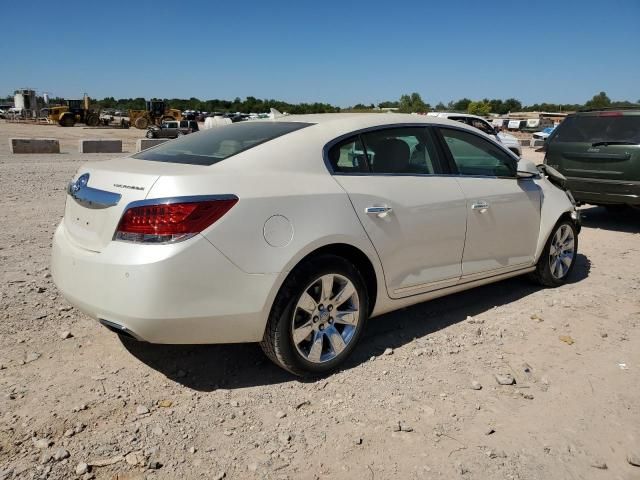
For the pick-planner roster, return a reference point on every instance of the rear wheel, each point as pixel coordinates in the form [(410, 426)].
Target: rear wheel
[(141, 123), (559, 255), (92, 120), (67, 121), (317, 317)]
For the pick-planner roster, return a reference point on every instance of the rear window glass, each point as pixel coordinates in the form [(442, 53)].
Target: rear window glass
[(214, 145), (591, 129)]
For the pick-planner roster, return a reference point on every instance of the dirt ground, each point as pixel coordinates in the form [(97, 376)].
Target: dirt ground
[(74, 398)]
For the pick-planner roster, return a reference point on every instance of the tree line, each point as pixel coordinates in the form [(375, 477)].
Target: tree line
[(407, 103), (414, 103)]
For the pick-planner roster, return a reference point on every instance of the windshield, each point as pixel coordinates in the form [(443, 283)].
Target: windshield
[(214, 145), (592, 129)]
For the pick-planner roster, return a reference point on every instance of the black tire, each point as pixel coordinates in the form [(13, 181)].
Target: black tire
[(150, 134), (179, 133), (141, 123), (543, 274), (92, 120), (277, 342), (67, 121)]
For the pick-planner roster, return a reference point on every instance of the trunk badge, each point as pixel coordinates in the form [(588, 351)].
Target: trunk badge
[(79, 184)]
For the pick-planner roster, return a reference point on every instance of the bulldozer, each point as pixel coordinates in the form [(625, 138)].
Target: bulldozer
[(75, 111), (157, 112)]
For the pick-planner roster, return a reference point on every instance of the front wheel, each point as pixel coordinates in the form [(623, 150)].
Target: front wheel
[(317, 317), (150, 134), (559, 255)]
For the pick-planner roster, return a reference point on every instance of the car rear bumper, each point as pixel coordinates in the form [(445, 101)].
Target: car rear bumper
[(184, 293), (599, 191)]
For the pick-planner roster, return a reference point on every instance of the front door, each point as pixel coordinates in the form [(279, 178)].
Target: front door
[(503, 213), (415, 219)]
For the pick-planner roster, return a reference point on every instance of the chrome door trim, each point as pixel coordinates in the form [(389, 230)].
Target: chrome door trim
[(415, 289), (454, 281), (391, 304), (494, 272)]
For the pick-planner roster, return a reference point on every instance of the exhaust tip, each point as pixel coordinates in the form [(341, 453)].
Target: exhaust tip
[(119, 329)]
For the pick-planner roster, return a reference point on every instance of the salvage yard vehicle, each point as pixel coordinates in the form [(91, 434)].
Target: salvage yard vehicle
[(155, 113), (75, 111), (294, 232), (483, 125), (173, 129), (599, 154)]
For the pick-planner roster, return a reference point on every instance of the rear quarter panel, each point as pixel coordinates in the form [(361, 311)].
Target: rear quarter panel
[(285, 178)]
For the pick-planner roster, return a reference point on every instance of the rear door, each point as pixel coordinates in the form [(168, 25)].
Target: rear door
[(414, 216), (503, 213), (596, 146)]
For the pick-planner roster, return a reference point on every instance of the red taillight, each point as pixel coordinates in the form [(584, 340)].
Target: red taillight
[(167, 222)]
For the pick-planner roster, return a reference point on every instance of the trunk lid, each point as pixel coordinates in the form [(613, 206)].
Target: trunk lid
[(99, 194)]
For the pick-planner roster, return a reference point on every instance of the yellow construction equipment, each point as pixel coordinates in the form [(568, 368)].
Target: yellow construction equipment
[(75, 111), (157, 112)]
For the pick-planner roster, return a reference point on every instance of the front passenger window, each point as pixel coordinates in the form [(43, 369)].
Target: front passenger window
[(474, 155)]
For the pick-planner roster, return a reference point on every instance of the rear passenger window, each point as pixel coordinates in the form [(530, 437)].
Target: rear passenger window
[(400, 150), (474, 155), (348, 156)]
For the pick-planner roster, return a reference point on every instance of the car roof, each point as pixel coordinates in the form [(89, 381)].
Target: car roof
[(454, 114), (607, 111), (358, 121)]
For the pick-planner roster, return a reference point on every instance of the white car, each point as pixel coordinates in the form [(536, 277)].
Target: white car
[(483, 125), (293, 232)]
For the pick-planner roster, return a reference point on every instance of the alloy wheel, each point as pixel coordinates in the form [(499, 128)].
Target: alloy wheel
[(561, 252), (325, 318)]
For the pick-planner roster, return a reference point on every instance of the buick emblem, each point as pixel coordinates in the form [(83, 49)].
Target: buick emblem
[(80, 183)]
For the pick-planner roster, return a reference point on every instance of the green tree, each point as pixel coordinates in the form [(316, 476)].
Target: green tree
[(388, 104), (481, 108), (412, 103), (461, 105), (510, 105), (600, 100), (440, 107)]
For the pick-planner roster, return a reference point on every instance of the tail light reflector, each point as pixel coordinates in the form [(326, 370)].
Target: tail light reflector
[(164, 222)]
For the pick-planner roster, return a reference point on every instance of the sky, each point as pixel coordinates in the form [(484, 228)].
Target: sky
[(338, 52)]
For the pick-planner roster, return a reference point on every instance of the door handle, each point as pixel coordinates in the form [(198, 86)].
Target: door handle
[(380, 212), (481, 205)]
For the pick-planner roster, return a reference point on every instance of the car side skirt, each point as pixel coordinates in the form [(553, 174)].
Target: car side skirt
[(387, 305)]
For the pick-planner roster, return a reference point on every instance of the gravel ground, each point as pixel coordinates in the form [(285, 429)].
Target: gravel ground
[(420, 398)]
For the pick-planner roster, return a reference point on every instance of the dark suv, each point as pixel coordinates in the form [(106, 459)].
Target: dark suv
[(599, 153)]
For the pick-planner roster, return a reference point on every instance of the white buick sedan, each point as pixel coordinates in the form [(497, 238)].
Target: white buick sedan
[(293, 232)]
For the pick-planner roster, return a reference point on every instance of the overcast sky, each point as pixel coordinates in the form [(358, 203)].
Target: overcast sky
[(338, 52)]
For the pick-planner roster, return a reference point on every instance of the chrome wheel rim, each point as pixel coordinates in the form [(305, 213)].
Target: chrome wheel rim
[(561, 252), (325, 318)]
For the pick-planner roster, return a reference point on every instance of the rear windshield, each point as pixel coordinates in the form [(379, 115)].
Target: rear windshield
[(214, 145), (591, 129)]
